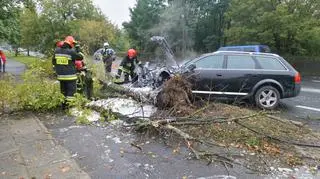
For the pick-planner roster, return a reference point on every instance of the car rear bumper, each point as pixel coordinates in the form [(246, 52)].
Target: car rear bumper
[(294, 92)]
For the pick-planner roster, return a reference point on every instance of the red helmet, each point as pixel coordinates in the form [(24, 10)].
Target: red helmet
[(78, 64), (59, 43), (132, 53), (70, 40)]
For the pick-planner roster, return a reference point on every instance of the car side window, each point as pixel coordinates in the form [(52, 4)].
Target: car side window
[(240, 62), (270, 63), (213, 61)]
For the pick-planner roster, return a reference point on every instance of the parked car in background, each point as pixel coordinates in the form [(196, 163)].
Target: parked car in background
[(98, 54), (247, 48), (264, 78)]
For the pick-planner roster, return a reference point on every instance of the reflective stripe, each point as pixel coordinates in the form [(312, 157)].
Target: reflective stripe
[(82, 54), (118, 80), (63, 55), (70, 98), (67, 77), (124, 69)]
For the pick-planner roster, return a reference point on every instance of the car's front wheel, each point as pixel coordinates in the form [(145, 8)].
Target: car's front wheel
[(267, 97)]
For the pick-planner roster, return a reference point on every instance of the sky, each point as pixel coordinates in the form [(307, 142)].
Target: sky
[(116, 10)]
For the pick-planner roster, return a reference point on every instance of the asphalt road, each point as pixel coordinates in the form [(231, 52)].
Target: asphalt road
[(306, 106), (106, 152)]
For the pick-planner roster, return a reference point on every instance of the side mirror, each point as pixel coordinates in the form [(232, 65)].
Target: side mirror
[(191, 67)]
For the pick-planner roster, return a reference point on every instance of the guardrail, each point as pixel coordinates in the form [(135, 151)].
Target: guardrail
[(305, 65)]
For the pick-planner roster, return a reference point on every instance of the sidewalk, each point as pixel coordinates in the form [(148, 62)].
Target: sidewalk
[(28, 151)]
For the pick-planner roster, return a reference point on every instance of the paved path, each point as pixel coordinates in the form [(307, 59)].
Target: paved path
[(28, 150), (14, 67)]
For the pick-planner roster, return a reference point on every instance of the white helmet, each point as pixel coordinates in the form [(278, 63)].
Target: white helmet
[(106, 45)]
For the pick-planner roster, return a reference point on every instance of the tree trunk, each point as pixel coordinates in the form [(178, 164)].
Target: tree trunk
[(276, 37), (16, 52), (28, 50)]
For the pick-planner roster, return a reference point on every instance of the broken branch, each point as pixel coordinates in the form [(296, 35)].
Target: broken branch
[(276, 138), (296, 123), (136, 146)]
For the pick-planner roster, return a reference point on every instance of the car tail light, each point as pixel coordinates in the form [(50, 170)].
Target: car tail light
[(297, 78)]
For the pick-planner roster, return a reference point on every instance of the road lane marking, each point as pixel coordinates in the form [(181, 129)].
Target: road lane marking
[(316, 81), (310, 90), (309, 108)]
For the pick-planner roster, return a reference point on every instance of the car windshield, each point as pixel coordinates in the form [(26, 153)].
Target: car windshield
[(190, 61)]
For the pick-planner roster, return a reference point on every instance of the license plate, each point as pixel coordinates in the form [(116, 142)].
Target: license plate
[(62, 60)]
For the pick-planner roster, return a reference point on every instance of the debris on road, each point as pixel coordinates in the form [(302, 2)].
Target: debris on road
[(216, 132), (124, 107), (89, 115)]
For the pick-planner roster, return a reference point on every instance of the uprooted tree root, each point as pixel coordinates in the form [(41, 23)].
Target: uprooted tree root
[(176, 95)]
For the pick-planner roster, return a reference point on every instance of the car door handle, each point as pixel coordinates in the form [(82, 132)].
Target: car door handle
[(219, 74)]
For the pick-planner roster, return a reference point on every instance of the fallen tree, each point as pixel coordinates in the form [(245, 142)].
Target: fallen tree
[(208, 127)]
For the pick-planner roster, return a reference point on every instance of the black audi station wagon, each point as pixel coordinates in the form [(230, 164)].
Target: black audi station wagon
[(265, 78)]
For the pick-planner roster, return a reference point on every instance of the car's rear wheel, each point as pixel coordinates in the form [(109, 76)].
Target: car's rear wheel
[(267, 97)]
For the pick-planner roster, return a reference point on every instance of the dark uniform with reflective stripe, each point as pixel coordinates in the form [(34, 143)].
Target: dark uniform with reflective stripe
[(127, 66), (64, 64)]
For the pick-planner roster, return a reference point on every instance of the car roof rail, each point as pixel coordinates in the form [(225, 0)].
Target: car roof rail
[(251, 53)]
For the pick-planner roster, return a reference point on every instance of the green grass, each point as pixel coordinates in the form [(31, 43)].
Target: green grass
[(24, 59)]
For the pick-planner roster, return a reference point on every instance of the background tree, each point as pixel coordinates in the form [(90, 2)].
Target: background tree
[(176, 25), (29, 29), (209, 29), (287, 26), (94, 33), (9, 21), (123, 41), (144, 16), (278, 24), (188, 25)]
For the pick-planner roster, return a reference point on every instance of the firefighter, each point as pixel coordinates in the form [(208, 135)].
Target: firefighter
[(64, 64), (127, 66), (84, 81), (78, 49), (59, 44), (79, 62), (108, 56)]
